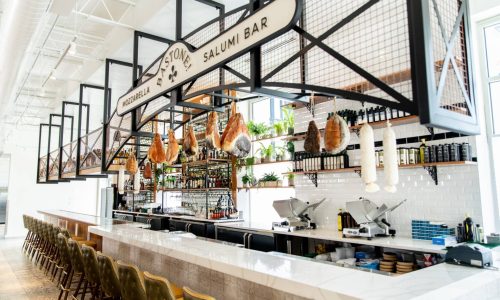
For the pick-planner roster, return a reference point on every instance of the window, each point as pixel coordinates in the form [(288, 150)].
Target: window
[(492, 46), (267, 110)]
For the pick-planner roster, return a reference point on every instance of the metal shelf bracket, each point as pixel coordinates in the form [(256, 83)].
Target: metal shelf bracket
[(358, 171), (432, 170), (313, 177)]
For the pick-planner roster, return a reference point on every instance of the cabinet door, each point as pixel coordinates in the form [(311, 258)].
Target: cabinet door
[(231, 236), (176, 225), (198, 229), (260, 242)]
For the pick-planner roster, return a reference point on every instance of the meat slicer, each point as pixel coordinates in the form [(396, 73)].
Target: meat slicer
[(373, 221), (295, 214)]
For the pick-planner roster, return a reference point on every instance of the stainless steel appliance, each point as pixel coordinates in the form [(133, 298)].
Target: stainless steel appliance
[(295, 214), (373, 220), (107, 201)]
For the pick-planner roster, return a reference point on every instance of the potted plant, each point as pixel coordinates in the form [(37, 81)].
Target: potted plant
[(280, 153), (289, 119), (257, 129), (290, 151), (248, 180), (279, 128), (269, 180), (267, 153), (250, 161), (291, 179)]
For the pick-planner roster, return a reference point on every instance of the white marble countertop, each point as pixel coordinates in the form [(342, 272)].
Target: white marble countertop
[(83, 218), (308, 278), (182, 217), (403, 243)]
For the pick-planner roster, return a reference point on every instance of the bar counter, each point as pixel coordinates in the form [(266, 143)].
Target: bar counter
[(229, 272), (233, 273)]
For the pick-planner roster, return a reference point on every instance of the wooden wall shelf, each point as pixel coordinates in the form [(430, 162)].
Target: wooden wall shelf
[(431, 168), (375, 125)]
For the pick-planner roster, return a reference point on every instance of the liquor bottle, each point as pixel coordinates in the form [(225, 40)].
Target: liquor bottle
[(339, 220), (422, 151)]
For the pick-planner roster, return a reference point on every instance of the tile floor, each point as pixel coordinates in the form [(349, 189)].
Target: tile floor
[(20, 279)]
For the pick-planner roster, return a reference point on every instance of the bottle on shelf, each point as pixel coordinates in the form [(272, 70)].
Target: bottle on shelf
[(422, 151), (468, 229), (339, 220)]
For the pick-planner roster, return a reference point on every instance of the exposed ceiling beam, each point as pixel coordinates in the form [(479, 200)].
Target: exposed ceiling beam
[(104, 21), (81, 35)]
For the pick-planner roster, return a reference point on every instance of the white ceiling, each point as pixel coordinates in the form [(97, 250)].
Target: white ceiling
[(37, 70), (49, 71)]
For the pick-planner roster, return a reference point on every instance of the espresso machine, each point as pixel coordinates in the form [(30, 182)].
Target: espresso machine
[(373, 220)]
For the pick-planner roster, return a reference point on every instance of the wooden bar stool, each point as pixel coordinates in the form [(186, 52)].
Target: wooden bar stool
[(77, 263), (158, 287), (80, 240), (131, 282), (108, 273), (91, 268), (192, 295)]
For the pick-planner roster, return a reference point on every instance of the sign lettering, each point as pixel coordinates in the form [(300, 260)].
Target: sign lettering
[(180, 65)]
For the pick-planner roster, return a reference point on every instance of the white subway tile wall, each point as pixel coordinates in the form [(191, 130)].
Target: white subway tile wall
[(456, 195)]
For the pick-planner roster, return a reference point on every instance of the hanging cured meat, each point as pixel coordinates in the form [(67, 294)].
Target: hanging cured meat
[(148, 173), (313, 139), (173, 148), (137, 183), (368, 166), (337, 134), (156, 153), (190, 145), (235, 139), (212, 133), (121, 180), (391, 171), (131, 165)]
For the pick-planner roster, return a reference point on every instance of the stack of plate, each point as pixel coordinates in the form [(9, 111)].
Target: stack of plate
[(387, 265), (404, 267), (390, 256)]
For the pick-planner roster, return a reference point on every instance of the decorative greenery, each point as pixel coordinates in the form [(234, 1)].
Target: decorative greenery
[(280, 152), (269, 177), (249, 179), (289, 117), (267, 152), (290, 147), (250, 161), (257, 129), (279, 127)]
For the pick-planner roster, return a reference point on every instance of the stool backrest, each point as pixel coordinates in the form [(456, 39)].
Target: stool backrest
[(108, 273), (158, 287), (189, 294), (90, 264), (75, 255), (131, 281)]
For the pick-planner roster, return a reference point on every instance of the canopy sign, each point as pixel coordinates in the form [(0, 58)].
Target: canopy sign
[(181, 64)]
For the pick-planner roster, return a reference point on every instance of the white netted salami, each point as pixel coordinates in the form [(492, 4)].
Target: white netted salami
[(391, 171), (368, 166)]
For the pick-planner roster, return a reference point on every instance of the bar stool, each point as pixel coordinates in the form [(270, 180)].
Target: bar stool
[(66, 275), (108, 273), (76, 258), (28, 235), (158, 287), (192, 295), (131, 282), (80, 240), (91, 268)]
